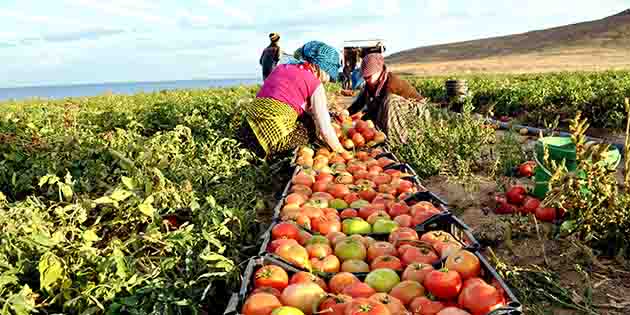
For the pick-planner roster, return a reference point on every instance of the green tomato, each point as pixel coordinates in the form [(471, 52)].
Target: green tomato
[(287, 310), (338, 204), (382, 280), (356, 226), (384, 226), (358, 204)]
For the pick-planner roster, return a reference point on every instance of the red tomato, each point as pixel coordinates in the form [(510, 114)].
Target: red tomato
[(366, 212), (464, 262), (260, 304), (334, 304), (527, 169), (361, 126), (434, 237), (546, 214), (304, 190), (398, 208), (423, 254), (338, 190), (319, 250), (401, 234), (367, 194), (324, 177), (312, 212), (362, 156), (303, 276), (516, 195), (329, 263), (294, 254), (422, 206), (303, 221), (354, 265), (365, 306), (304, 237), (358, 140), (403, 220), (303, 179), (387, 189), (351, 197), (320, 186), (380, 249), (362, 174), (447, 248), (424, 306), (480, 297), (340, 281), (388, 262), (275, 292), (369, 134), (385, 161), (382, 179), (377, 215), (530, 205), (444, 284), (271, 276), (285, 230), (417, 272), (407, 290), (326, 225), (354, 168), (348, 213), (358, 290), (451, 310), (395, 306), (296, 198)]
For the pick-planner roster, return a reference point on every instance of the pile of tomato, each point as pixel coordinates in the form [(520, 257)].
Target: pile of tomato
[(517, 201), (347, 231)]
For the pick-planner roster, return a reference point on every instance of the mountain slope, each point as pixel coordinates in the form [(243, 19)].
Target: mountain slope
[(605, 41)]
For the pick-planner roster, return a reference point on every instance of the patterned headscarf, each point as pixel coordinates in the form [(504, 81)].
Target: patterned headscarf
[(324, 56), (371, 64)]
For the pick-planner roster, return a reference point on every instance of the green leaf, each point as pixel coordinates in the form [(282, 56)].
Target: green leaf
[(50, 271), (90, 236), (66, 190), (568, 227), (146, 209), (22, 303), (121, 266), (129, 182), (120, 195), (104, 200)]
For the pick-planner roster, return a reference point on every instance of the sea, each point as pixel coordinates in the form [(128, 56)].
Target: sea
[(80, 90)]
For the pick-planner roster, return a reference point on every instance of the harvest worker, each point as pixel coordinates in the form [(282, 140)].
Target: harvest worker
[(270, 55), (386, 99), (278, 119)]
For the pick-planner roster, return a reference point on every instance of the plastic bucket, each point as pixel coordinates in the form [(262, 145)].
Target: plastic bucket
[(560, 148)]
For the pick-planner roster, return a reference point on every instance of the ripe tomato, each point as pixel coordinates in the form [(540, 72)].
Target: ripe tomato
[(360, 175), (407, 290), (530, 205), (479, 297), (451, 310), (303, 221), (348, 213), (434, 237), (334, 304), (296, 198), (546, 214), (447, 248), (367, 194), (422, 206), (444, 284), (354, 265), (405, 186), (324, 177), (369, 134), (527, 169), (320, 186), (326, 225), (303, 179), (358, 140), (380, 249), (423, 254), (285, 230), (424, 306), (398, 208), (294, 254), (382, 179), (385, 161), (273, 291), (260, 304), (366, 212), (387, 189), (362, 156), (318, 250), (365, 306), (351, 197), (344, 178), (301, 189), (342, 280), (395, 306), (304, 237), (516, 195), (329, 263), (338, 190), (361, 126), (403, 234), (312, 212), (355, 168), (388, 262), (358, 290), (376, 151), (377, 215), (464, 262), (303, 276), (271, 276), (403, 220), (417, 272)]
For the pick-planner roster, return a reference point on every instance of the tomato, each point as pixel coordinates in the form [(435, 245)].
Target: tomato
[(362, 155), (322, 196), (389, 262), (271, 276), (303, 296), (279, 242), (530, 205), (387, 189), (377, 215), (369, 134), (332, 236), (303, 179), (366, 212), (318, 239), (358, 140), (382, 179), (294, 254), (382, 280), (398, 208), (350, 249), (330, 211), (324, 177), (356, 226), (312, 212), (323, 152), (358, 290), (422, 216), (348, 213), (447, 248), (434, 237), (422, 253), (351, 197), (407, 290), (367, 194), (546, 214), (325, 225), (318, 250), (342, 280), (347, 155), (527, 169), (451, 310), (465, 263), (365, 306), (338, 190), (287, 310), (304, 277), (361, 126), (344, 178), (352, 132), (334, 304), (380, 249), (321, 186), (260, 304), (444, 284), (329, 263), (285, 230), (304, 161), (516, 195), (275, 292), (403, 220), (503, 207), (360, 175), (303, 238), (479, 297), (354, 265), (296, 198), (424, 306), (306, 151), (395, 306), (385, 161), (405, 186), (380, 137), (401, 234), (417, 272), (355, 168), (376, 151), (303, 221), (301, 189)]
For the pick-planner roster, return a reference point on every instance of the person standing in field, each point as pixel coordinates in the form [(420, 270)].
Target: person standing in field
[(386, 99), (279, 119), (270, 55)]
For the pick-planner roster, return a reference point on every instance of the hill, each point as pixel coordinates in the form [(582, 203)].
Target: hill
[(594, 45)]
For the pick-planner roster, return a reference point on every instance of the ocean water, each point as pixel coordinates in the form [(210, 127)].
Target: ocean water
[(62, 91)]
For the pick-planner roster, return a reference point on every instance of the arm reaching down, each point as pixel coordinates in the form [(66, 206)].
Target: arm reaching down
[(319, 108)]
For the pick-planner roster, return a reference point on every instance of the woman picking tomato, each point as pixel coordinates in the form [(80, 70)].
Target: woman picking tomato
[(387, 99), (278, 119)]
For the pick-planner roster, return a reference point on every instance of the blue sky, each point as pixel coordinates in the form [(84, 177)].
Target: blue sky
[(50, 42)]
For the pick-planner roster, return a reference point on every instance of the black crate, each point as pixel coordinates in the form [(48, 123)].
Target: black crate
[(237, 298), (514, 306), (427, 196), (447, 222)]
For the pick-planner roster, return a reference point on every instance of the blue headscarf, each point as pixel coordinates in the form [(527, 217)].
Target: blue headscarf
[(324, 56)]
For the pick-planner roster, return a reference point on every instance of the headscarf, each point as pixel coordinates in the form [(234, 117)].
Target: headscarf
[(322, 55), (274, 37), (371, 64)]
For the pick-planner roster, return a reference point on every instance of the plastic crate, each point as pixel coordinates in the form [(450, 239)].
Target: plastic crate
[(447, 222), (514, 306)]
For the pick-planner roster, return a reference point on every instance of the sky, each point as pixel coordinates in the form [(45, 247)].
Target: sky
[(57, 42)]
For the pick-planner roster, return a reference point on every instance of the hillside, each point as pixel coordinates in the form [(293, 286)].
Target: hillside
[(593, 45)]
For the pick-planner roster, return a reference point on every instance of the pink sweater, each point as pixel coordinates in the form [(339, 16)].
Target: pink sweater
[(290, 84)]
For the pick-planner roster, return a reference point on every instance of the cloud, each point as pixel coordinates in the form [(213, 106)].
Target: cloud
[(137, 9), (239, 14), (62, 37)]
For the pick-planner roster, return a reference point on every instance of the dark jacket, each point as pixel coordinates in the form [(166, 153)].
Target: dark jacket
[(269, 59), (371, 104)]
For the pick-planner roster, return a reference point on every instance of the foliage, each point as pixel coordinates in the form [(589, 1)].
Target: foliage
[(446, 143), (508, 152), (598, 95), (143, 204), (597, 210)]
